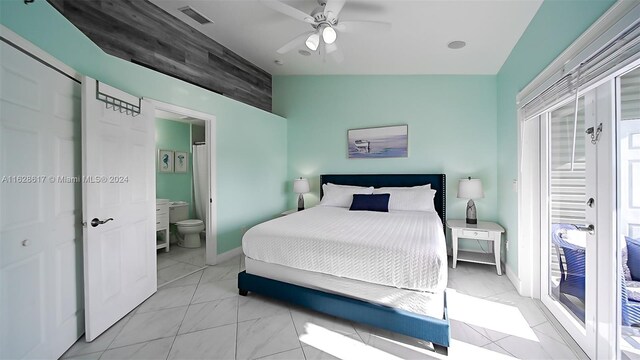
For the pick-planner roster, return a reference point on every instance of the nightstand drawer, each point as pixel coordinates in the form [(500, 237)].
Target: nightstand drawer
[(475, 234)]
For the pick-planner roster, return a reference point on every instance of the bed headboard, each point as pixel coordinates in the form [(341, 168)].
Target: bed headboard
[(438, 182)]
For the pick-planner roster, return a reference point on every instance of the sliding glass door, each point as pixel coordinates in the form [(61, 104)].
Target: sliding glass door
[(628, 229), (569, 203)]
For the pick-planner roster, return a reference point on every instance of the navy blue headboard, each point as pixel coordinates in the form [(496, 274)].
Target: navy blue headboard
[(438, 182)]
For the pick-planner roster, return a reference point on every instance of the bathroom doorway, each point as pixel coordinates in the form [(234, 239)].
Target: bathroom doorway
[(185, 236)]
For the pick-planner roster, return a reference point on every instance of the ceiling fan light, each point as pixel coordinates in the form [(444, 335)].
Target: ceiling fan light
[(313, 41), (329, 35)]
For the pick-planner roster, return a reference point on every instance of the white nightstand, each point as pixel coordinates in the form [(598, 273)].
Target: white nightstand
[(484, 230)]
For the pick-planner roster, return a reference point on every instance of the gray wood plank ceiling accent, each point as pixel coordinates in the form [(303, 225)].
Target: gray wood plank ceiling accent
[(140, 32)]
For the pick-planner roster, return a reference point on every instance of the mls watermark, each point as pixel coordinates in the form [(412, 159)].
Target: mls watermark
[(62, 179)]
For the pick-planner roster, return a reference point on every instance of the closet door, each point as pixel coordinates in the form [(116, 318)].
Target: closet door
[(40, 234)]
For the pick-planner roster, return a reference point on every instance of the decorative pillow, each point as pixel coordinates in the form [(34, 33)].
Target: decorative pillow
[(377, 202), (341, 195), (417, 198), (633, 252), (625, 262), (633, 290)]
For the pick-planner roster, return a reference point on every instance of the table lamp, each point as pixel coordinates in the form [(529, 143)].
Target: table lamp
[(470, 189), (300, 186)]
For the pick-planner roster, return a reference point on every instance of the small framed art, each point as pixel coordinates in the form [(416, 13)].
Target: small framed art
[(181, 162), (165, 161)]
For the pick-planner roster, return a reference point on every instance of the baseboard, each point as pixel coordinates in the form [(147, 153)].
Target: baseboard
[(515, 280), (228, 255)]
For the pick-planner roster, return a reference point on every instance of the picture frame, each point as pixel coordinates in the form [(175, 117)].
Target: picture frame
[(378, 142), (181, 162), (165, 161)]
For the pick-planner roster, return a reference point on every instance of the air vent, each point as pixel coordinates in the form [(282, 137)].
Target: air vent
[(195, 15)]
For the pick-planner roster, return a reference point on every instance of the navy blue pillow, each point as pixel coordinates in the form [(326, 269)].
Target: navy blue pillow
[(633, 251), (375, 202)]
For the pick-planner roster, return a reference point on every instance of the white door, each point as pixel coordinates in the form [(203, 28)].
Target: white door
[(118, 165), (40, 231), (571, 192)]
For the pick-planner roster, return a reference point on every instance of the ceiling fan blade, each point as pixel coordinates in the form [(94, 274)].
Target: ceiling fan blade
[(335, 53), (288, 10), (362, 25), (332, 9), (295, 42)]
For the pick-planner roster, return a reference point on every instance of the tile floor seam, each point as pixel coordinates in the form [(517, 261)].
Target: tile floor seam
[(167, 308), (135, 343), (297, 334), (498, 345), (122, 328), (182, 277), (185, 315), (478, 332), (235, 355), (279, 352)]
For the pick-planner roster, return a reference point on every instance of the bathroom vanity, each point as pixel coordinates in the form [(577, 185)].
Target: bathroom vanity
[(162, 224)]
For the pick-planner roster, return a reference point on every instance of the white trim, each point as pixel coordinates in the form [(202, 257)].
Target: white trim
[(212, 256), (514, 279), (597, 35), (6, 33), (229, 254), (529, 216)]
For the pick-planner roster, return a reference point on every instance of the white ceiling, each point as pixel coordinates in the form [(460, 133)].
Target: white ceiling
[(416, 44)]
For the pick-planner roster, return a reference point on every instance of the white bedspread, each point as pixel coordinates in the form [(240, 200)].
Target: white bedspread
[(403, 249)]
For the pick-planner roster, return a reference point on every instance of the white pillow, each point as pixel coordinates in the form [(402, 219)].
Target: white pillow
[(417, 198), (341, 195)]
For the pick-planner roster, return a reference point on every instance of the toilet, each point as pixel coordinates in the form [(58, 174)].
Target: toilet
[(188, 229)]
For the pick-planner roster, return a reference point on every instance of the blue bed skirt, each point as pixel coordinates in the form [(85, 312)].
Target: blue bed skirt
[(403, 322)]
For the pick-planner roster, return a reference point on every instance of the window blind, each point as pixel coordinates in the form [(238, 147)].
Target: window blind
[(615, 54)]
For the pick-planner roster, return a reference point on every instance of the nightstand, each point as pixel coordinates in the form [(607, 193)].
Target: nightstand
[(484, 230)]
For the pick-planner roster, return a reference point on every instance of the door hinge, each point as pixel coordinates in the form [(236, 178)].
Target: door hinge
[(595, 137)]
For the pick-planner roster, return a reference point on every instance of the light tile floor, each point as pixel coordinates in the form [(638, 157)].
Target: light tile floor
[(201, 316), (179, 262)]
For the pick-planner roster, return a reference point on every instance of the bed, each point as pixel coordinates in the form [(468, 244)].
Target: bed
[(344, 263)]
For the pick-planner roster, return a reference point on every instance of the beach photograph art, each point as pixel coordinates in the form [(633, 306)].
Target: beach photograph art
[(378, 142)]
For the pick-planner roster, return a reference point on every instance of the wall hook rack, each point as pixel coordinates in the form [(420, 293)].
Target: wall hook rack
[(117, 104)]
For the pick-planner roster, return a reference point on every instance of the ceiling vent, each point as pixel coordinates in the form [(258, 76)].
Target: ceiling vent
[(195, 15)]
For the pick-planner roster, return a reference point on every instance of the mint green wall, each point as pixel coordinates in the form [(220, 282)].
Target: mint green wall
[(175, 136), (452, 128), (251, 144), (556, 25)]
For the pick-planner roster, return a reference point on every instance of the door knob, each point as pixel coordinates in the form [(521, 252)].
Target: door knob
[(95, 222), (588, 229)]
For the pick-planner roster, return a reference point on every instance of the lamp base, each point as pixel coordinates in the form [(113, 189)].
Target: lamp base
[(300, 202), (471, 213)]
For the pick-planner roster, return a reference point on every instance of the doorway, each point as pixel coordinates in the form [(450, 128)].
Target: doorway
[(183, 192)]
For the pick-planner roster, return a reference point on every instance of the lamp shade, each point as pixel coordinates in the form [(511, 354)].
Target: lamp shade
[(313, 41), (300, 186), (470, 189)]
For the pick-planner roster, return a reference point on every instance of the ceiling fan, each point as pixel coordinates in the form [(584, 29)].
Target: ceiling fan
[(326, 23)]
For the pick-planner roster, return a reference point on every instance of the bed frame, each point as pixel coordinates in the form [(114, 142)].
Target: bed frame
[(434, 330)]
